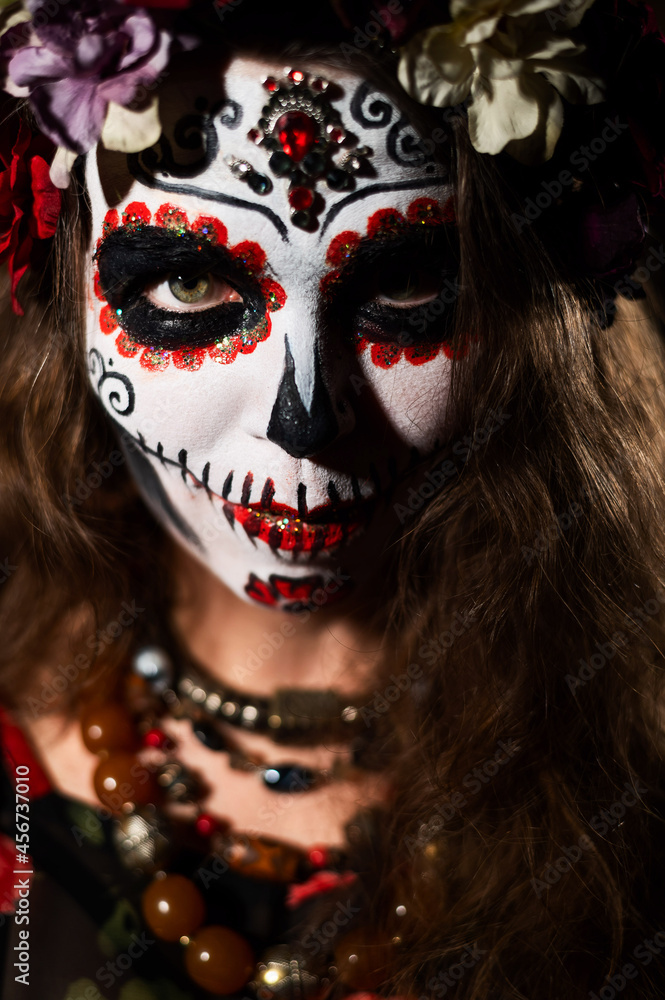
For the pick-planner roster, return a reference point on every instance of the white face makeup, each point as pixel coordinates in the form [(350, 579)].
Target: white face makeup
[(280, 378)]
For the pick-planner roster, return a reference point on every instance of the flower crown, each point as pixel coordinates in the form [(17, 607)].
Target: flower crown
[(90, 72)]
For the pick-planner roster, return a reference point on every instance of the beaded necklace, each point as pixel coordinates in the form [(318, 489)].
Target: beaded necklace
[(154, 801)]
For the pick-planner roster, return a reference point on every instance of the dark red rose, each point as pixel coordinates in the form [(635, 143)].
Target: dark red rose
[(29, 202)]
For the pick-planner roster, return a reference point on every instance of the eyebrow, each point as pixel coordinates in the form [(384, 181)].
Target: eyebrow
[(148, 180), (364, 192)]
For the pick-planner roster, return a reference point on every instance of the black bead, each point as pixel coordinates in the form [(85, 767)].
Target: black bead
[(280, 163), (301, 219), (289, 778), (259, 183), (337, 180), (208, 735), (314, 164)]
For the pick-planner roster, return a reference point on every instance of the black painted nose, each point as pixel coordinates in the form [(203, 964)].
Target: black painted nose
[(300, 432)]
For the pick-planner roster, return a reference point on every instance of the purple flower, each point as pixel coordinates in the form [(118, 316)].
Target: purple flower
[(86, 59)]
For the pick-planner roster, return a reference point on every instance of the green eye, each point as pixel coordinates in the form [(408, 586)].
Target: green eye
[(189, 289)]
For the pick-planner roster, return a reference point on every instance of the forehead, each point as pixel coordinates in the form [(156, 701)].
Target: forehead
[(237, 144)]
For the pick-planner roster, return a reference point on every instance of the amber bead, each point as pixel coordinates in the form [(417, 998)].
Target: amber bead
[(108, 728), (261, 857), (121, 780), (363, 960), (173, 907), (219, 960)]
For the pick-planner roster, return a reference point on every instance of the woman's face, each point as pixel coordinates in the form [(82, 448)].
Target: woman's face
[(277, 370)]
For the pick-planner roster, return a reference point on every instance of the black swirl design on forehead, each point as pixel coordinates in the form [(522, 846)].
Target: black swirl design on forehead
[(371, 109), (192, 133)]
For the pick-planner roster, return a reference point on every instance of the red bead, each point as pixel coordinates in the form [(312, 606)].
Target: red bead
[(336, 134), (296, 132), (300, 198), (319, 857), (206, 825), (319, 85), (219, 960), (271, 84), (296, 76), (173, 907), (253, 135), (156, 738)]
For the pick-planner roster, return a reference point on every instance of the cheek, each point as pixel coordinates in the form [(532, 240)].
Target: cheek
[(413, 399)]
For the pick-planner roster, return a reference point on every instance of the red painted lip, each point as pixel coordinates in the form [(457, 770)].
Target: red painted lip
[(281, 527)]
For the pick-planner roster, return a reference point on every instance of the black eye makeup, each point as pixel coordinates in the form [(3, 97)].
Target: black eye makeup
[(174, 291), (402, 289)]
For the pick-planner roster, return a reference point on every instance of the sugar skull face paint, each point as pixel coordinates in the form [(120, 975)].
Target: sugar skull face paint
[(275, 353)]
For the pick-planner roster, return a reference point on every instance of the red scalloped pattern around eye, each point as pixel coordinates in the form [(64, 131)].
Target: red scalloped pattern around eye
[(209, 229), (386, 222)]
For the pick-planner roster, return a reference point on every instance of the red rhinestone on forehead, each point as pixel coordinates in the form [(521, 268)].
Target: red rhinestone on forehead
[(296, 133)]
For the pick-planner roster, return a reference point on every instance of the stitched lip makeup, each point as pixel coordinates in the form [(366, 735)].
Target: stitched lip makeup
[(282, 528)]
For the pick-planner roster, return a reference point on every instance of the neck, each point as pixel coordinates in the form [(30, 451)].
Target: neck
[(259, 649)]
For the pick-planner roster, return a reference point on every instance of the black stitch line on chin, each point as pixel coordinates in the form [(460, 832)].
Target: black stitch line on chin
[(377, 189), (225, 199)]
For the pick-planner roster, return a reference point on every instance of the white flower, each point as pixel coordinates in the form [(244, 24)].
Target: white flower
[(506, 56)]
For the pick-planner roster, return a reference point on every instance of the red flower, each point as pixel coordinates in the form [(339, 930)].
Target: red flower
[(29, 203)]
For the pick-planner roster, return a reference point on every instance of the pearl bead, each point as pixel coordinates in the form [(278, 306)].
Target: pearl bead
[(153, 664), (106, 728), (219, 960), (173, 907)]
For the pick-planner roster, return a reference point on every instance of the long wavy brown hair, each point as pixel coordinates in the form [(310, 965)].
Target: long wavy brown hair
[(521, 855)]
